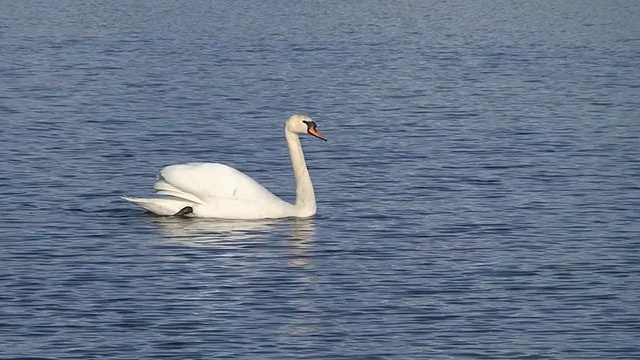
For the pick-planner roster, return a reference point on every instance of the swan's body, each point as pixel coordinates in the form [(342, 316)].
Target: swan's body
[(211, 190)]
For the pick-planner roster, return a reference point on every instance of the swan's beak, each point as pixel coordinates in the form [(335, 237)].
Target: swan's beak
[(313, 131)]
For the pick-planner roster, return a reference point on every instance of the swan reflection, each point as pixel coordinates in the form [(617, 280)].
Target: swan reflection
[(253, 254), (298, 233)]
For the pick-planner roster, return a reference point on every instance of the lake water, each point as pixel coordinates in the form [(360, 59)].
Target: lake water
[(478, 197)]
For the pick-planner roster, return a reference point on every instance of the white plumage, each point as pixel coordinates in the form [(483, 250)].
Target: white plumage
[(212, 190)]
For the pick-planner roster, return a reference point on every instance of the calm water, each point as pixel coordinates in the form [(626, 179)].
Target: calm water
[(479, 195)]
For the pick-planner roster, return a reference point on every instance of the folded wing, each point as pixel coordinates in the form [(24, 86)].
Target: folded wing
[(202, 183)]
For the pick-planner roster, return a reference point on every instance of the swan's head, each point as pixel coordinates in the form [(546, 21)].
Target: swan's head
[(302, 124)]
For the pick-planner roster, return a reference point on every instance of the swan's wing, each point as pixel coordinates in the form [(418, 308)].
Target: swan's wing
[(202, 182)]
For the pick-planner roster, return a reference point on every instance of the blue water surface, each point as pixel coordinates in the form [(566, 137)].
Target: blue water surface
[(478, 197)]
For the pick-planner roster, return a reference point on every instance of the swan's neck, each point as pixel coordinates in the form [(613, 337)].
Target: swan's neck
[(305, 197)]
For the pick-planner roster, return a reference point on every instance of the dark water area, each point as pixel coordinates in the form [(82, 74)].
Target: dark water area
[(478, 197)]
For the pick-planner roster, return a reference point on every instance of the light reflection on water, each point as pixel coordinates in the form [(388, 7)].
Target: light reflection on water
[(297, 235)]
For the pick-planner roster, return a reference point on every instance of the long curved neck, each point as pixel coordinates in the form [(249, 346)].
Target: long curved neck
[(305, 196)]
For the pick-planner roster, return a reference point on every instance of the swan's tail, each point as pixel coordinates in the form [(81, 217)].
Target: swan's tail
[(161, 206)]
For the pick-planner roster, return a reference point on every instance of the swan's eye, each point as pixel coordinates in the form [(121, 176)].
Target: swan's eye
[(310, 124)]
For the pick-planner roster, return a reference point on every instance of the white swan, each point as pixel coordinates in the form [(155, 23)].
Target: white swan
[(211, 190)]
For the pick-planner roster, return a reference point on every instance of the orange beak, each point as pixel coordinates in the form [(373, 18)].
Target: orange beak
[(313, 131)]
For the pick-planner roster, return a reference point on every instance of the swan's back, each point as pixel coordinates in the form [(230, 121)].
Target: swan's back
[(204, 182)]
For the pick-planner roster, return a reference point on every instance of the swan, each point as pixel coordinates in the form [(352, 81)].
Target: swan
[(213, 190)]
